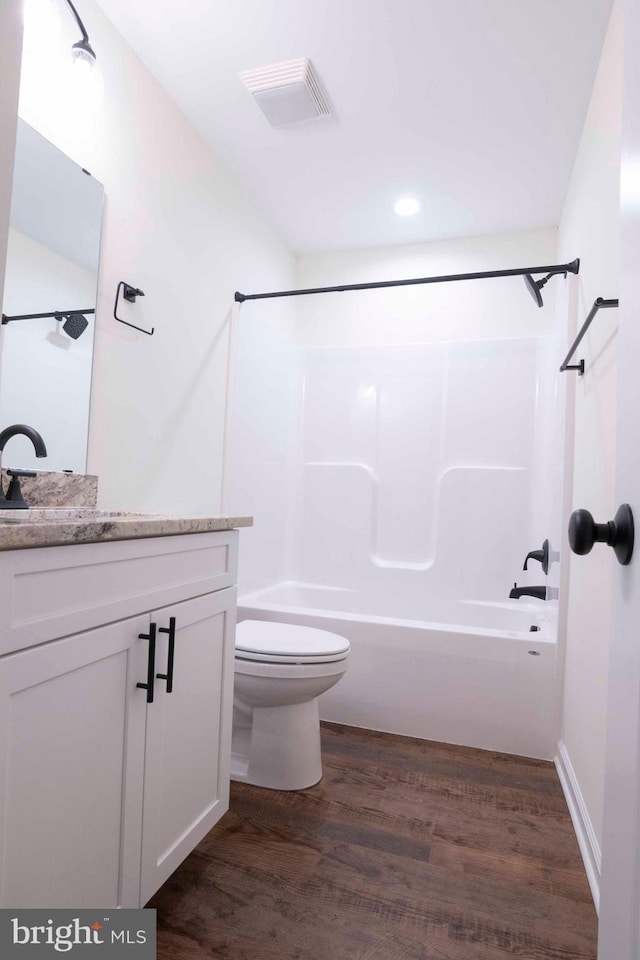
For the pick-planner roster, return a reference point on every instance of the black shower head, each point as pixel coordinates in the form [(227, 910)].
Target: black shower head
[(75, 325), (534, 287)]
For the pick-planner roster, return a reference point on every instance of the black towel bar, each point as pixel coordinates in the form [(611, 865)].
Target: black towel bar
[(598, 304)]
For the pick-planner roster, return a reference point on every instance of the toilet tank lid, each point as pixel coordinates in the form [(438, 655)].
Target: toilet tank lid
[(288, 640)]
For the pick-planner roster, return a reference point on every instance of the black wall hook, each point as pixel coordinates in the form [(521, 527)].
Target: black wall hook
[(129, 293)]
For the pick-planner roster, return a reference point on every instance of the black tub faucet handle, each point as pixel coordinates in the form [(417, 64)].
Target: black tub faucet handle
[(542, 556), (533, 555)]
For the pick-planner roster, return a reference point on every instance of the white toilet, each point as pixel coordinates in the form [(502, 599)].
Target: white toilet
[(280, 671)]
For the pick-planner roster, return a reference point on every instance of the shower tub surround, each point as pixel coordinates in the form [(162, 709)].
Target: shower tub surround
[(397, 488)]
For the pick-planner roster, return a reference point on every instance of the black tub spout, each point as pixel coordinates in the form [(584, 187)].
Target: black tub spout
[(541, 593)]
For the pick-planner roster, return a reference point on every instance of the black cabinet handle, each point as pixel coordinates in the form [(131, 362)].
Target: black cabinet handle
[(151, 662), (168, 676), (616, 533)]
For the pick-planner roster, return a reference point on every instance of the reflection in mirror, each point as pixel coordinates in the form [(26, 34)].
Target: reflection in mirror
[(52, 268)]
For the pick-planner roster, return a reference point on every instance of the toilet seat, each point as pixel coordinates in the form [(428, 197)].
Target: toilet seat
[(266, 641)]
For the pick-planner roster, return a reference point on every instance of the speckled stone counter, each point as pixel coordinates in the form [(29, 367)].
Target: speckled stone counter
[(53, 489), (20, 529)]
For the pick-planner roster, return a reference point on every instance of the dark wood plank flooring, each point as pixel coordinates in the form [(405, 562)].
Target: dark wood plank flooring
[(406, 850)]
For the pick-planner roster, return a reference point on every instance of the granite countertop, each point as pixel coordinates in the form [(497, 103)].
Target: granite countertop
[(48, 527), (50, 488)]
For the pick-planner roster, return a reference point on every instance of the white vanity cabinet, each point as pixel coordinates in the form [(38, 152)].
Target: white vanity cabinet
[(187, 746), (105, 788)]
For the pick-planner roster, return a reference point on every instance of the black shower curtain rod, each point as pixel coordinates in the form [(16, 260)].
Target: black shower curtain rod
[(39, 316), (556, 268)]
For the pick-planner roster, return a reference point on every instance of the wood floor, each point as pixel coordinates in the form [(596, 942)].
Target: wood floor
[(406, 850)]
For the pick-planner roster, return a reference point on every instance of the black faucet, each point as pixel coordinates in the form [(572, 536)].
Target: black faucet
[(14, 500), (542, 593)]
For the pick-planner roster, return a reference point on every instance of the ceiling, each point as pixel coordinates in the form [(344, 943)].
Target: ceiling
[(474, 106)]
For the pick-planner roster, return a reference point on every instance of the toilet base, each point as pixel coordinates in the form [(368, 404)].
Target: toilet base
[(279, 747)]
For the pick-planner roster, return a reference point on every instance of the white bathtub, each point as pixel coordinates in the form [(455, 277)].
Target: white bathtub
[(473, 674)]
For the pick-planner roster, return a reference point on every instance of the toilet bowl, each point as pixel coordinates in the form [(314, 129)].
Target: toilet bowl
[(280, 671)]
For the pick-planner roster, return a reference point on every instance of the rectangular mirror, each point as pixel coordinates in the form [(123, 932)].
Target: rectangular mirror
[(52, 268)]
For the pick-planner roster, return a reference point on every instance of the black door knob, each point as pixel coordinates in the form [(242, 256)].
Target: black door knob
[(616, 533)]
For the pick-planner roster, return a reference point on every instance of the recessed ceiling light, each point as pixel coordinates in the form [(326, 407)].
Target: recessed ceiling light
[(407, 206)]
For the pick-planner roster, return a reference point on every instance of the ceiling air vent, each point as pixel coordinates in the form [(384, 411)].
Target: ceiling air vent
[(287, 92)]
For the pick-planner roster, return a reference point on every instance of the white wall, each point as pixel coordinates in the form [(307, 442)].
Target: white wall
[(589, 228), (434, 313), (10, 52), (262, 442), (178, 226)]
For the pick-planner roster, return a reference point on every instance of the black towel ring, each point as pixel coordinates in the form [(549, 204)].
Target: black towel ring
[(129, 293)]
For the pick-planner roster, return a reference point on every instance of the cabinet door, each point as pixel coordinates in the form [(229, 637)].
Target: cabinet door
[(188, 743), (71, 760)]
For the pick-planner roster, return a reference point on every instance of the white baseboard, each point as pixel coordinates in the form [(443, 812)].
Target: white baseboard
[(587, 840)]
